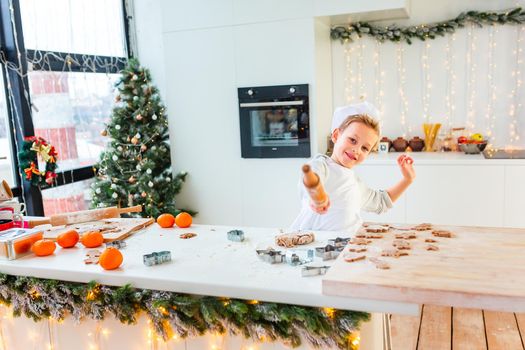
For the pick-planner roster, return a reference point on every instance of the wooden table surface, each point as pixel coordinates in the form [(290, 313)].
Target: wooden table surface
[(479, 267)]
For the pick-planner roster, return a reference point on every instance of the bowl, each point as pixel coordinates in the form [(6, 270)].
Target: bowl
[(473, 148)]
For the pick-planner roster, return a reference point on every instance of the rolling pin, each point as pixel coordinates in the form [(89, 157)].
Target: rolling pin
[(78, 217), (314, 186)]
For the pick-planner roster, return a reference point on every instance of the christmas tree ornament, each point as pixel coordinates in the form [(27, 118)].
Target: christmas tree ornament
[(137, 135), (114, 195), (134, 77), (138, 167), (117, 127), (114, 157), (143, 194), (132, 180), (120, 149), (114, 186), (148, 171), (150, 184), (138, 117), (135, 98), (154, 148), (104, 132), (98, 190), (154, 117), (117, 98), (135, 92), (168, 179), (134, 140), (143, 148)]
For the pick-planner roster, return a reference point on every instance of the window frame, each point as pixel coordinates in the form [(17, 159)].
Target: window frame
[(12, 39)]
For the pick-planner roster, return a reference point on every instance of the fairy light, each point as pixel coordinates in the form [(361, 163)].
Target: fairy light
[(349, 76), (471, 82), (379, 76), (360, 81), (401, 88), (450, 96), (330, 312), (354, 339), (253, 302), (490, 112), (514, 103), (426, 85)]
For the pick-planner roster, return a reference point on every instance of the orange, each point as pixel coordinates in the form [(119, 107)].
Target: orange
[(43, 247), (92, 239), (68, 239), (183, 220), (166, 220), (110, 259)]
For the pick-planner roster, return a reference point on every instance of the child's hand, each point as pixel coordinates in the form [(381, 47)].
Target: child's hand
[(320, 209), (405, 165)]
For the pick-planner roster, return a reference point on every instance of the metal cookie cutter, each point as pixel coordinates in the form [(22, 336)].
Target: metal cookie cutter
[(157, 258), (307, 271), (328, 252), (116, 244), (299, 256), (236, 235), (270, 255), (339, 242)]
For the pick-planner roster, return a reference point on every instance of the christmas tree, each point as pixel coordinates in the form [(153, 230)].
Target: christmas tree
[(135, 167)]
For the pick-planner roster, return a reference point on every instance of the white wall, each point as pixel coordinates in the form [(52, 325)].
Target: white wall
[(210, 48), (357, 73)]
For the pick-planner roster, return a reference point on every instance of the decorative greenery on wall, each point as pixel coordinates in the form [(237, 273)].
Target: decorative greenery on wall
[(182, 314), (427, 31)]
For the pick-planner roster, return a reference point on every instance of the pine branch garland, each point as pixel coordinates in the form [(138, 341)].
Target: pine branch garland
[(182, 314), (424, 32)]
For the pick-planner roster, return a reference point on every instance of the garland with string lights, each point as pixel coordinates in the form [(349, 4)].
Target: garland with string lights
[(34, 148), (424, 32), (182, 314)]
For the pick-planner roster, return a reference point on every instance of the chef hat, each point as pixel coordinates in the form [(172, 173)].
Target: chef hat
[(341, 113)]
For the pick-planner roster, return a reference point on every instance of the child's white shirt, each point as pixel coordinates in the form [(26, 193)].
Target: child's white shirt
[(348, 196)]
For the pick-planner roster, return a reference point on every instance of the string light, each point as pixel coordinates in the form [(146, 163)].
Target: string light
[(471, 84), (360, 81), (490, 113), (514, 103), (426, 84), (401, 88), (349, 77), (379, 76), (450, 96)]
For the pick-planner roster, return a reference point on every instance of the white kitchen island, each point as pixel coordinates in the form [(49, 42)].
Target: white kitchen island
[(207, 264)]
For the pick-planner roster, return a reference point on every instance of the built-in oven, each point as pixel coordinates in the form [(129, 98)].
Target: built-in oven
[(274, 121)]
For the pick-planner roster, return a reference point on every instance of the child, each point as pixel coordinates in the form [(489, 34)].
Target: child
[(354, 134)]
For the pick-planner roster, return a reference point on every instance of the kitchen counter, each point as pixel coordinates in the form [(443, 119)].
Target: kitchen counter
[(207, 264), (440, 158)]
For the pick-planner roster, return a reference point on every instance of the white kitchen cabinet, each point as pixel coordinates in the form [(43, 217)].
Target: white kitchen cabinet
[(514, 208)]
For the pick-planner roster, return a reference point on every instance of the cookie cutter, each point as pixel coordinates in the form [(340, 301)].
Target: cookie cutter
[(328, 252), (119, 244), (236, 235), (157, 258), (307, 271), (299, 256), (270, 255), (339, 242)]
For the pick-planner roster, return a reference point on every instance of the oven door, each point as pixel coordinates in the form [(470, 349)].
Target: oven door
[(275, 129)]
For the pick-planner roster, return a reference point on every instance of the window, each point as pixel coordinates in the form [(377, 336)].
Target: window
[(62, 58)]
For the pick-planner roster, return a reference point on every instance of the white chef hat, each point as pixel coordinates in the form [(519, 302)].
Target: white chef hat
[(341, 113)]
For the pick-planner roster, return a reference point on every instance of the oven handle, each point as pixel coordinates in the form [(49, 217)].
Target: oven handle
[(270, 104)]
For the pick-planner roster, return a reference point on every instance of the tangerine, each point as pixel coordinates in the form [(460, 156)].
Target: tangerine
[(68, 239), (43, 247), (183, 220), (166, 220), (92, 239), (110, 259)]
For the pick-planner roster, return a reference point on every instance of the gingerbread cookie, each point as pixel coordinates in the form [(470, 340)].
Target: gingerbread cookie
[(92, 256), (430, 240), (380, 264), (351, 257), (290, 240), (406, 235), (187, 235), (377, 228), (423, 227), (360, 241), (356, 248), (401, 244), (442, 233), (432, 247), (395, 253)]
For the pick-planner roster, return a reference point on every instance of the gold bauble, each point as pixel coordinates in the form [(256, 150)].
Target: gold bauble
[(143, 148), (138, 117), (134, 140), (143, 194), (104, 132), (131, 179)]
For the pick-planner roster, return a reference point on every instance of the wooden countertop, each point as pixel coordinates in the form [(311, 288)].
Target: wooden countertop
[(479, 267)]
